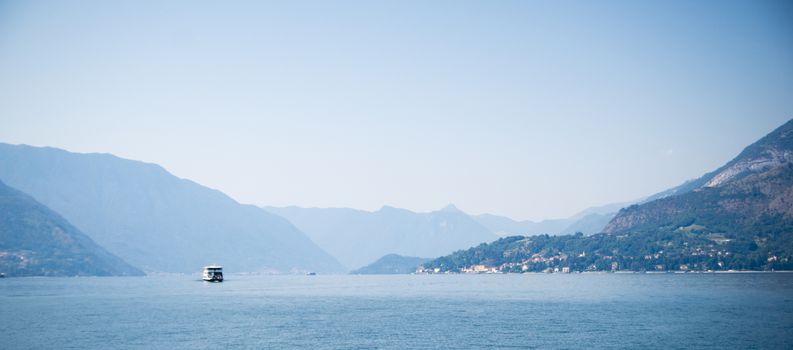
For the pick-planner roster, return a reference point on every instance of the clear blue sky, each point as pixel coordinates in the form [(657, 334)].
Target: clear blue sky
[(529, 109)]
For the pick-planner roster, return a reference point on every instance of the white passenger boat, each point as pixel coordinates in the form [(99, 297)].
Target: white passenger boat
[(213, 273)]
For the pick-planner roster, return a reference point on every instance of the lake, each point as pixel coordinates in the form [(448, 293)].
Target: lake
[(683, 311)]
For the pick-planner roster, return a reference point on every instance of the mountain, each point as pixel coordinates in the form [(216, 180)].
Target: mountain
[(606, 209), (748, 199), (589, 224), (357, 237), (156, 221), (36, 241), (739, 216), (589, 221), (504, 226), (391, 264)]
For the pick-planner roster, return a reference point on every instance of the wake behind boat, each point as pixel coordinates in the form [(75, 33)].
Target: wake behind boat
[(213, 273)]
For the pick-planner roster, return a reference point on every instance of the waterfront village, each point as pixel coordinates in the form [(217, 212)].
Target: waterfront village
[(699, 260)]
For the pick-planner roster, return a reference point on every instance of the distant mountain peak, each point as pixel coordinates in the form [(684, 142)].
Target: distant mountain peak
[(451, 208), (387, 208)]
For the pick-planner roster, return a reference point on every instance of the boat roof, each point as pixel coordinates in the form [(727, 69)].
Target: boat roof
[(213, 267)]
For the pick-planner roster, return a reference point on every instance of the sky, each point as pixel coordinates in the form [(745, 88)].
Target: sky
[(529, 109)]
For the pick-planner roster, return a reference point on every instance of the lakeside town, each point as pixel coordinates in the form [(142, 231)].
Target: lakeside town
[(711, 258)]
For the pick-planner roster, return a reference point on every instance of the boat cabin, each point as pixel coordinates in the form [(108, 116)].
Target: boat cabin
[(213, 273)]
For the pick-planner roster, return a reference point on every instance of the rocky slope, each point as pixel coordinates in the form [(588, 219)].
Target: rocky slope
[(750, 195)]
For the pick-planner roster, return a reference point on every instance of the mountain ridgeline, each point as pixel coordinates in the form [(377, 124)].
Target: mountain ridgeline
[(589, 221), (749, 196), (156, 221), (64, 210), (358, 237), (739, 217), (36, 241)]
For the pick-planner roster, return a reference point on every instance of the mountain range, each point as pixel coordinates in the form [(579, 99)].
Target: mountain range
[(161, 223), (36, 241), (589, 221), (63, 210), (358, 237), (156, 221), (739, 216)]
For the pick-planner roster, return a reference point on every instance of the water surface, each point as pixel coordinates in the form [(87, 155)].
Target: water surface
[(681, 311)]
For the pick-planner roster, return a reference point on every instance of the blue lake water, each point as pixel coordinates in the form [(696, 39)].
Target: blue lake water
[(681, 311)]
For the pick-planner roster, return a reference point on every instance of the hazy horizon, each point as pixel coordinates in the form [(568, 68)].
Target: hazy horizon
[(532, 110)]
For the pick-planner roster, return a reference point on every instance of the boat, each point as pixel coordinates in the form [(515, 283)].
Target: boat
[(213, 273), (311, 273)]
